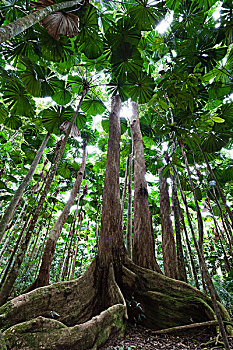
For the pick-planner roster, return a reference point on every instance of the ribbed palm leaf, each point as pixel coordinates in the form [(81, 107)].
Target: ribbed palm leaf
[(58, 22)]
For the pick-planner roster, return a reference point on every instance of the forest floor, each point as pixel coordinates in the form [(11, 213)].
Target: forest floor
[(140, 338)]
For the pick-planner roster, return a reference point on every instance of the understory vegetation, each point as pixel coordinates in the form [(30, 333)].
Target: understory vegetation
[(116, 170)]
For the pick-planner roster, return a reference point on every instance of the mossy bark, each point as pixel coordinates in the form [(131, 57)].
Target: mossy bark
[(81, 314), (65, 314)]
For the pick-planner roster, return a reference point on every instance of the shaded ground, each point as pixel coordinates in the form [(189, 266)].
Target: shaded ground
[(140, 338)]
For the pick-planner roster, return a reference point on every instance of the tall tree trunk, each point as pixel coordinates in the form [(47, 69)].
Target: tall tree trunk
[(143, 247), (8, 215), (111, 244), (111, 249), (76, 248), (129, 211), (20, 25), (168, 240), (124, 191), (180, 255), (223, 198), (13, 230), (9, 283), (225, 222), (194, 270), (200, 252), (47, 258)]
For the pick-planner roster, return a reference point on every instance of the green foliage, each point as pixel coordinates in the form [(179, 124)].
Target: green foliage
[(182, 79)]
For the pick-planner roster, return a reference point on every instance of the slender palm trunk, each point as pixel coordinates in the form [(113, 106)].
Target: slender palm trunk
[(168, 241), (13, 230), (179, 248), (194, 270), (9, 283), (225, 222), (20, 25), (223, 198), (143, 246), (76, 249), (199, 247), (8, 215), (43, 277)]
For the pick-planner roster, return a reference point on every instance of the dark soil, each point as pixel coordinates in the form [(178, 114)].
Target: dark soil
[(140, 338)]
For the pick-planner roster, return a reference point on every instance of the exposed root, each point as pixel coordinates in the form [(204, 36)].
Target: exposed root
[(66, 333), (71, 300), (165, 302), (185, 327), (47, 334), (154, 300)]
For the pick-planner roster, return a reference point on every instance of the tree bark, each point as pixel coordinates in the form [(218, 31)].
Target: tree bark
[(10, 30), (9, 283), (47, 258), (124, 191), (168, 241), (111, 244), (129, 209), (143, 248), (194, 270), (179, 248), (8, 215)]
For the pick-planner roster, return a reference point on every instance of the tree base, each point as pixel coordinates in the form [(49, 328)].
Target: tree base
[(65, 315)]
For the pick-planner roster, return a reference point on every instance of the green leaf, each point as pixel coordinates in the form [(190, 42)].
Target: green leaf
[(76, 83), (126, 59), (93, 107), (63, 170), (89, 38), (62, 94), (17, 99), (17, 157), (53, 117), (3, 113), (3, 185), (105, 125), (124, 125), (163, 104), (55, 50), (214, 142), (30, 74), (118, 86), (141, 87), (145, 16), (13, 122), (123, 32), (218, 119), (80, 121), (62, 97)]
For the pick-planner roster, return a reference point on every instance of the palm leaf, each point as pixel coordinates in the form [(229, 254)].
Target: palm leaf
[(53, 117), (59, 22), (17, 99), (141, 86), (89, 38), (145, 16), (13, 122), (93, 107)]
